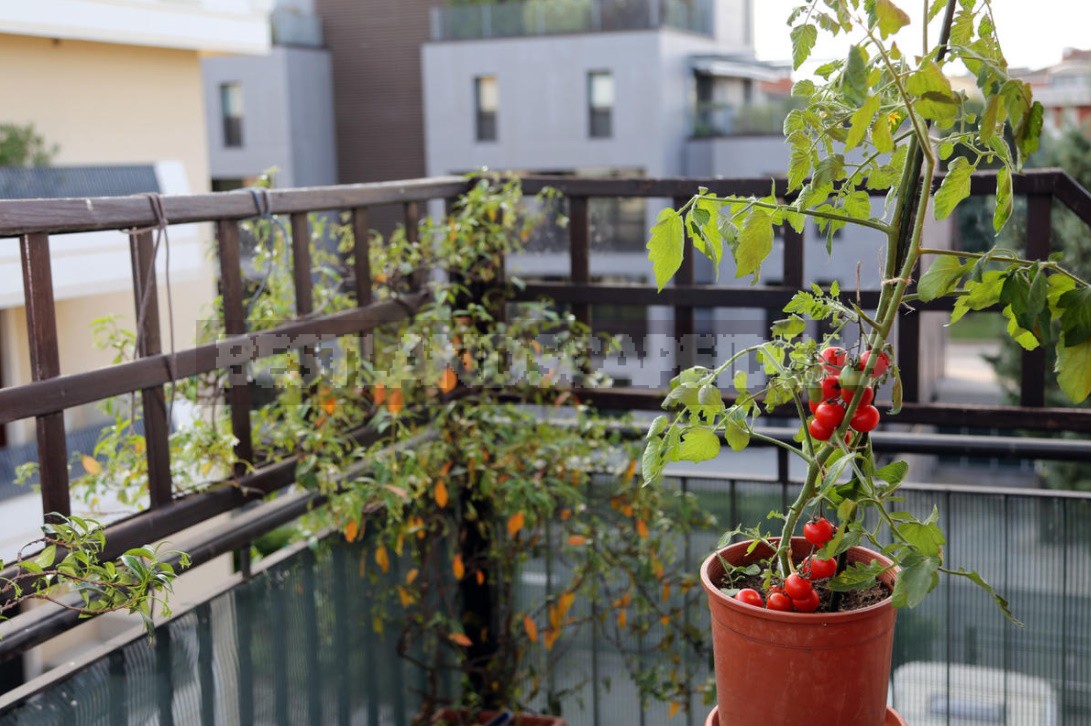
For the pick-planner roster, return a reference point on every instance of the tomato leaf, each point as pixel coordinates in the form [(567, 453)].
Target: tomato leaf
[(665, 246), (860, 121), (803, 40), (978, 580), (925, 538), (919, 576), (854, 79), (1073, 370), (954, 188), (941, 277), (699, 444), (737, 435), (755, 243), (1004, 204), (857, 576), (893, 473), (1075, 316), (891, 17)]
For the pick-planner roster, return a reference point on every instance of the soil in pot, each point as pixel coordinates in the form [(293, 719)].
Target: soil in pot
[(848, 601)]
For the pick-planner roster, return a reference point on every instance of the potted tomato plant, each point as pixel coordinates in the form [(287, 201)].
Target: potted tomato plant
[(812, 616)]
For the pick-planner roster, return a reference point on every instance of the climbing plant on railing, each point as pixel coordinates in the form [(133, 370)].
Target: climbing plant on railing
[(64, 569)]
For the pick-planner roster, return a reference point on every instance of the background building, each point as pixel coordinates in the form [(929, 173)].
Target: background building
[(273, 110), (1065, 91)]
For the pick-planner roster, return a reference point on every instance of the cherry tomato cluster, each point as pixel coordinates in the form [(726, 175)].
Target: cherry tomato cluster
[(842, 383), (797, 593)]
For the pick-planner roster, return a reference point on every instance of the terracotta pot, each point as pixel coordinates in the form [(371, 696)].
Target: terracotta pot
[(821, 669), (462, 716), (893, 718)]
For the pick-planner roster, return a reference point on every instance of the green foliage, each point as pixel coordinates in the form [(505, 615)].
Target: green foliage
[(23, 146), (902, 117), (67, 572), (665, 246)]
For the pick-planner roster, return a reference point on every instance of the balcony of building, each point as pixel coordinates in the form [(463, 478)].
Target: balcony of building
[(554, 17), (289, 638)]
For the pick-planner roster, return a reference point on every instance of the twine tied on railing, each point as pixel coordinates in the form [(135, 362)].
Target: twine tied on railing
[(161, 237)]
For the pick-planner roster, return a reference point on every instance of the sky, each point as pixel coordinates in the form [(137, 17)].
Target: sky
[(1032, 32)]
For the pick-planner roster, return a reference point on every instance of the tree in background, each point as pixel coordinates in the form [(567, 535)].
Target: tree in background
[(23, 146)]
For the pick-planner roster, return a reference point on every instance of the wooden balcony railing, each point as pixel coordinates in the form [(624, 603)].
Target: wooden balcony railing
[(52, 390)]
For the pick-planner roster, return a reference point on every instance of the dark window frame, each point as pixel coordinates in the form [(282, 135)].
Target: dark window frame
[(485, 126), (600, 119), (232, 117)]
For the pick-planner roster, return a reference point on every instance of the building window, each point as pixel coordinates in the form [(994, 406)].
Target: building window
[(600, 97), (486, 103), (231, 106)]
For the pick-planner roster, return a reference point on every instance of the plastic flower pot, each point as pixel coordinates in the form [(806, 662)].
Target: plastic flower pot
[(893, 718), (821, 669)]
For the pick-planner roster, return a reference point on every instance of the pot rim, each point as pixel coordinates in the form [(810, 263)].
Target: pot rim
[(794, 617)]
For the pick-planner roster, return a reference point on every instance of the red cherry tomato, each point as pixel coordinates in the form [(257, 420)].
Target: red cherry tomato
[(813, 405), (865, 419), (831, 387), (867, 395), (819, 569), (774, 589), (830, 414), (833, 358), (818, 532), (881, 365), (807, 604), (819, 430), (779, 601), (750, 597), (797, 587)]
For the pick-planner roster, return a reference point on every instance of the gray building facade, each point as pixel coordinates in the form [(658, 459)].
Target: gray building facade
[(274, 110)]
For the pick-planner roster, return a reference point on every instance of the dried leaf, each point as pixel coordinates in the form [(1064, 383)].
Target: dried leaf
[(460, 639), (531, 627), (395, 402), (622, 618), (411, 576), (480, 576), (382, 559), (378, 394), (439, 493), (576, 540), (673, 709), (91, 465), (630, 472), (642, 528), (448, 380), (515, 523), (352, 529), (564, 603), (405, 596), (458, 568)]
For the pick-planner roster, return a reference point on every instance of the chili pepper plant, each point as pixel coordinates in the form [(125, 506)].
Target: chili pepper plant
[(884, 142)]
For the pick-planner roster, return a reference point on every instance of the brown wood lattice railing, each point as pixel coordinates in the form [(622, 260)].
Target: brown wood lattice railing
[(51, 392)]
